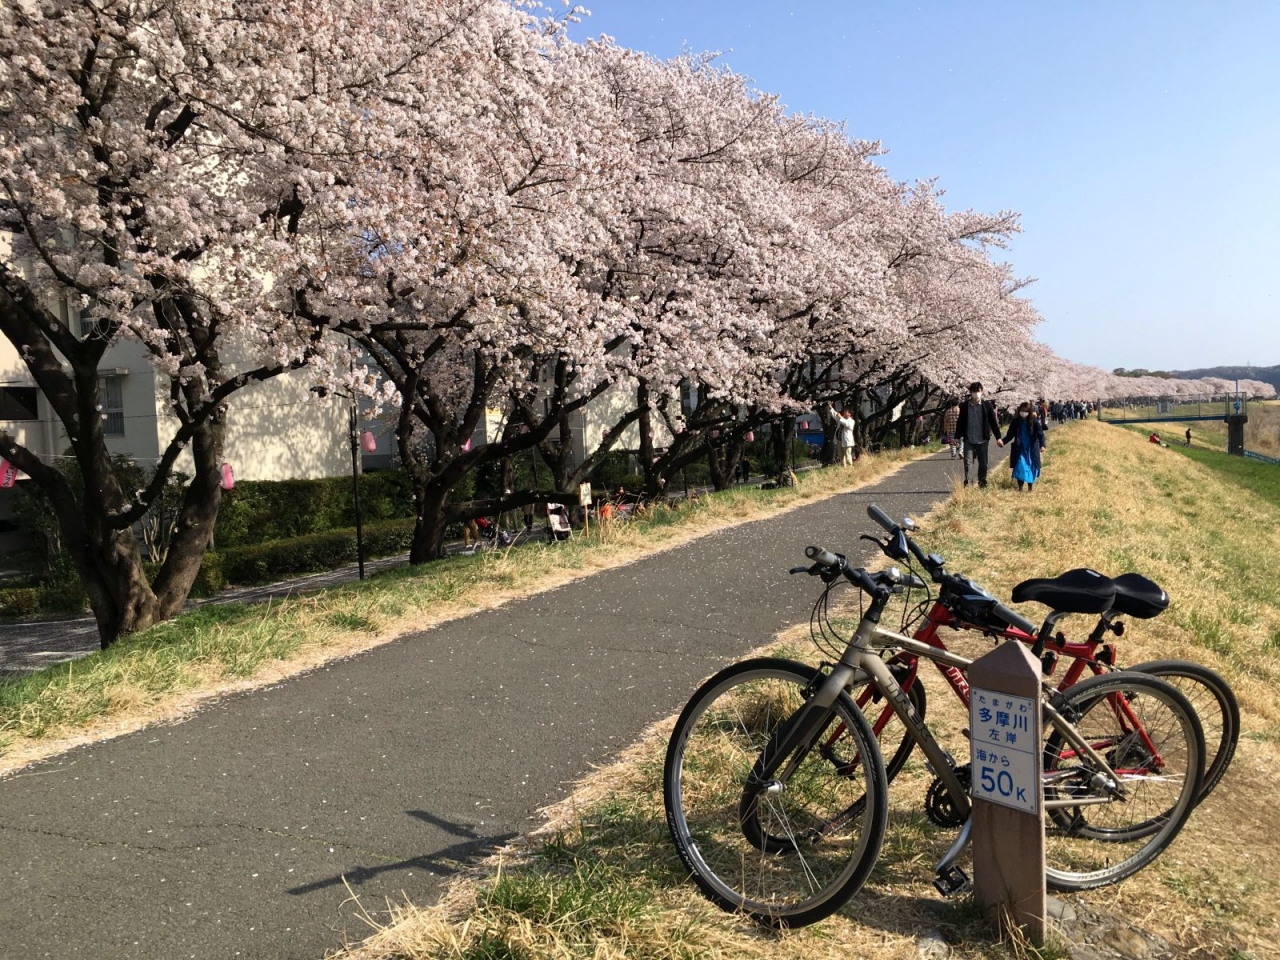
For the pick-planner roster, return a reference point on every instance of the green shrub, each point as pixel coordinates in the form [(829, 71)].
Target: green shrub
[(210, 579), (612, 471), (63, 596), (259, 511), (276, 560), (19, 602)]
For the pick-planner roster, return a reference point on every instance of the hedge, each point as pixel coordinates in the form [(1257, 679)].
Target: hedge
[(19, 602), (256, 512), (277, 560)]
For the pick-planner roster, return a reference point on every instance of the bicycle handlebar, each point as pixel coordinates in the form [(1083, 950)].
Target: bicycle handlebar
[(1016, 619), (824, 557), (878, 585), (882, 518)]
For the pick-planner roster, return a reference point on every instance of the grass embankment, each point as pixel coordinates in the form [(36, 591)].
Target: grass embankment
[(601, 879), (162, 673)]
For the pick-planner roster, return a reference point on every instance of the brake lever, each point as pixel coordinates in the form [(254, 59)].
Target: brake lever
[(811, 571)]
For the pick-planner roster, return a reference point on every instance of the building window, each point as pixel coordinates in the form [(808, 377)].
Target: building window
[(18, 403), (111, 393)]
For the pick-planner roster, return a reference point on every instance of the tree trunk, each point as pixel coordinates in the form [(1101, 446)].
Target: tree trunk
[(193, 530), (780, 441), (428, 528), (119, 595), (649, 465)]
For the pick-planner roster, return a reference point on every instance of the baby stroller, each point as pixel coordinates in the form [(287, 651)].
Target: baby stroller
[(558, 528)]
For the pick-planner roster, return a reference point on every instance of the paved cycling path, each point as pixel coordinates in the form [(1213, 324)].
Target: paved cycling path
[(230, 834)]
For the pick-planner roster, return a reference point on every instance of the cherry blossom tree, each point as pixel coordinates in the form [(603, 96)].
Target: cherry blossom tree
[(157, 163)]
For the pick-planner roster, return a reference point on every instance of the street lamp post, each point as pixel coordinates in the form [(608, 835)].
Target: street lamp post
[(355, 486)]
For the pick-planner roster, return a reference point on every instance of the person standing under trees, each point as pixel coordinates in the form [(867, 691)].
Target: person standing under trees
[(1027, 436), (845, 426), (950, 418), (977, 423)]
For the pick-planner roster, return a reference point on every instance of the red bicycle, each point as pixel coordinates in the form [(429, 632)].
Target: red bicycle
[(962, 604)]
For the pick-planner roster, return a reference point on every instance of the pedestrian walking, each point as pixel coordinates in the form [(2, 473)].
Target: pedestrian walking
[(976, 424), (1027, 438), (950, 419), (744, 470), (845, 427), (1188, 436)]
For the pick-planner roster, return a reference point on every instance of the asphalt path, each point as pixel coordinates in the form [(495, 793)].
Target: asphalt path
[(245, 830)]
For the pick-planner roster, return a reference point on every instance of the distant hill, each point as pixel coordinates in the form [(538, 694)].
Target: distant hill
[(1269, 375)]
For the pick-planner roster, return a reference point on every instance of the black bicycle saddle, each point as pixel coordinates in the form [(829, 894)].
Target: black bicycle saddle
[(1076, 591), (1136, 596)]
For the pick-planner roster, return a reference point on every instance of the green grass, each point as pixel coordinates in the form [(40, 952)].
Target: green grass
[(1260, 478)]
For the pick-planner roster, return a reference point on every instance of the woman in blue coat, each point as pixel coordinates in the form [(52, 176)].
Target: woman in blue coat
[(1027, 438)]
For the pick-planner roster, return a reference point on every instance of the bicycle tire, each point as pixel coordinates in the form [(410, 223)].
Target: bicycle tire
[(1214, 703), (1089, 845), (794, 856)]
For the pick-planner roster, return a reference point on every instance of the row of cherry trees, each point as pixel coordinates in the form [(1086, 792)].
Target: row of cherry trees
[(500, 218)]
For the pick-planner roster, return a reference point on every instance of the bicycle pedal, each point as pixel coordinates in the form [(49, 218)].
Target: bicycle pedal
[(951, 881)]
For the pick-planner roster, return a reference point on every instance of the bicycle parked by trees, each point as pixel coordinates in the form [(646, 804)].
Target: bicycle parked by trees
[(775, 818)]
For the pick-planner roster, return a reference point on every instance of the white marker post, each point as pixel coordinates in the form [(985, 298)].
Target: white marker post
[(1008, 793)]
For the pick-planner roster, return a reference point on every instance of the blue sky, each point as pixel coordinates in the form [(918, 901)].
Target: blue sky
[(1140, 141)]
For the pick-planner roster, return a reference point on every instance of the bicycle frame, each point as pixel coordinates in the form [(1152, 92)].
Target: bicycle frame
[(861, 659), (1084, 657)]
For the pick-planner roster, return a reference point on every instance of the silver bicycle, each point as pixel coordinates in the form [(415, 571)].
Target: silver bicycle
[(777, 798)]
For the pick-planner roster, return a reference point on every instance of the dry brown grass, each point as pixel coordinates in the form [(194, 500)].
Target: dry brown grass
[(168, 672), (1109, 500)]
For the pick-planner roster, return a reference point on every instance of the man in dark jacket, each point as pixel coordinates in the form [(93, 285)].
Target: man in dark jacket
[(977, 424)]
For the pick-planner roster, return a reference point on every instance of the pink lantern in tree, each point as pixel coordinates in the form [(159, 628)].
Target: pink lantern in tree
[(368, 441), (751, 436), (228, 477), (804, 425), (466, 446)]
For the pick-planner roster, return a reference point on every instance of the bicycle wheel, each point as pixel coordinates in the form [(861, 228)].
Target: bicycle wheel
[(1214, 703), (797, 851), (895, 744), (1149, 735)]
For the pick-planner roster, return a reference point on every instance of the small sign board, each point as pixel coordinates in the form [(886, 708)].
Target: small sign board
[(8, 474), (1004, 749), (584, 494)]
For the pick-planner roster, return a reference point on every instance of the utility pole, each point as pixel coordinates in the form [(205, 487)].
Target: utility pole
[(355, 484)]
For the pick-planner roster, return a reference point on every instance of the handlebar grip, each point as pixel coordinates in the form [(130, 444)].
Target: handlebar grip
[(1013, 618), (824, 557), (880, 517)]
